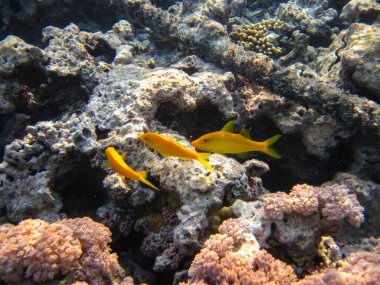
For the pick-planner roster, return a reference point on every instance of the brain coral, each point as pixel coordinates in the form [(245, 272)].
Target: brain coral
[(76, 248)]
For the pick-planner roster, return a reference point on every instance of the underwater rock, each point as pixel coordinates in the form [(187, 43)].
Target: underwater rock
[(69, 51), (311, 17), (366, 11), (353, 56), (15, 53)]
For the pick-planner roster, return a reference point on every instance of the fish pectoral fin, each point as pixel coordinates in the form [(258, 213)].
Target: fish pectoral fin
[(206, 164), (123, 155), (204, 155), (143, 173), (106, 164), (229, 127), (147, 182), (245, 133), (243, 155)]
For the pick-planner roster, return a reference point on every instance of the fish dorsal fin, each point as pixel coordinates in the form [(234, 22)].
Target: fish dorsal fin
[(143, 173), (245, 133), (229, 127), (123, 155)]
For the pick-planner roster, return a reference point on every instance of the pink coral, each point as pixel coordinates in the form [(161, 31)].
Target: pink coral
[(334, 201), (42, 249), (277, 204), (361, 268), (337, 204), (77, 248), (233, 257)]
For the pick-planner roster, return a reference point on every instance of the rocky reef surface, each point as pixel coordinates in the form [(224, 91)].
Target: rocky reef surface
[(79, 76)]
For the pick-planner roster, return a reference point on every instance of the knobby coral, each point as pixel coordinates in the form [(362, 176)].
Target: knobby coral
[(77, 248), (233, 257), (333, 201), (360, 268), (257, 36)]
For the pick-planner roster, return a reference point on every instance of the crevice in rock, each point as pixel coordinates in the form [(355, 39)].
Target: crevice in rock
[(204, 119), (81, 188), (298, 166)]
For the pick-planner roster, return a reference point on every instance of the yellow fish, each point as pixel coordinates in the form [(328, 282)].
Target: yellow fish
[(117, 162), (225, 141), (168, 147)]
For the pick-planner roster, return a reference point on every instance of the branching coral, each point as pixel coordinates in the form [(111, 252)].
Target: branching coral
[(257, 36), (233, 257), (334, 201), (76, 248)]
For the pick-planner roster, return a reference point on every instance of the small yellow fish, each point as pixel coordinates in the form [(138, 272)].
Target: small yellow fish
[(117, 162), (168, 147), (225, 141)]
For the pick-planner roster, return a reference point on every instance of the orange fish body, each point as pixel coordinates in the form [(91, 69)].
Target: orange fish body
[(117, 162), (168, 147)]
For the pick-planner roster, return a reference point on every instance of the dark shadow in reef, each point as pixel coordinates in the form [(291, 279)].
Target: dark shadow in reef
[(80, 187), (39, 99), (204, 119), (92, 16), (297, 165), (164, 4)]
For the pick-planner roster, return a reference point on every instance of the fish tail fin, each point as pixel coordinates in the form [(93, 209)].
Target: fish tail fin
[(267, 146), (202, 159), (150, 184), (146, 181)]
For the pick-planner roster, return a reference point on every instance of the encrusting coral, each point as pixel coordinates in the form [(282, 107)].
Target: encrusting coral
[(77, 248)]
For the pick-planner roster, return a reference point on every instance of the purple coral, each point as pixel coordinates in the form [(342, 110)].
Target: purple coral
[(334, 201), (233, 257), (361, 268), (77, 248)]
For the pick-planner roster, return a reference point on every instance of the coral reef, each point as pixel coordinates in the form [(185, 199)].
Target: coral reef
[(76, 248), (103, 72)]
